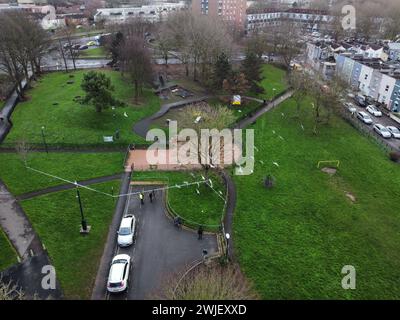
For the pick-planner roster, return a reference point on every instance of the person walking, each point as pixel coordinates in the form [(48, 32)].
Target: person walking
[(151, 196), (141, 197), (200, 232)]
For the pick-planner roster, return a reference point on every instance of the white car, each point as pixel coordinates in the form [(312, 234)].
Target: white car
[(364, 117), (350, 107), (374, 111), (394, 131), (126, 232), (382, 131), (119, 273)]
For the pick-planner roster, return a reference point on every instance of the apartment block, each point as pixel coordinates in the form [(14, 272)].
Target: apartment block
[(233, 11)]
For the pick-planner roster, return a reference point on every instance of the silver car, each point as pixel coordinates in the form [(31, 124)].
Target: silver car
[(126, 232), (382, 131)]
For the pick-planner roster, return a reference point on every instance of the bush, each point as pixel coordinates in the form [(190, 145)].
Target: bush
[(394, 156)]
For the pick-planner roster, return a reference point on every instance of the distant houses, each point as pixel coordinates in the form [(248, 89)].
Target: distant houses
[(372, 69)]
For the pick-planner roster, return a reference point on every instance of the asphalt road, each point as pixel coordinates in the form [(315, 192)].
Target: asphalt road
[(161, 250)]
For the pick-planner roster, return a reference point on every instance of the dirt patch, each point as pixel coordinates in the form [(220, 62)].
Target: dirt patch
[(330, 171)]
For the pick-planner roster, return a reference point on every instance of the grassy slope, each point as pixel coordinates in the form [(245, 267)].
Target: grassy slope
[(185, 201), (69, 166), (273, 78), (56, 218), (72, 123), (7, 254), (293, 240), (92, 53)]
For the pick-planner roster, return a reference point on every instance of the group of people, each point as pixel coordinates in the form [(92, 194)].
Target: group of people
[(152, 195)]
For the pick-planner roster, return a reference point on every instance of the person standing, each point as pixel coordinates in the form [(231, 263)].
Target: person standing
[(200, 232), (141, 197), (151, 196), (154, 194)]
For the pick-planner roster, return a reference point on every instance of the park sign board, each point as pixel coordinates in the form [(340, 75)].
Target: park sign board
[(236, 100)]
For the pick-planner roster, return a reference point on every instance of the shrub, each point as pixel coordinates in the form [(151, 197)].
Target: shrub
[(394, 156)]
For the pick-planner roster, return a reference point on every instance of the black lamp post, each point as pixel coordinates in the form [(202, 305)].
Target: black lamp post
[(83, 221), (44, 140)]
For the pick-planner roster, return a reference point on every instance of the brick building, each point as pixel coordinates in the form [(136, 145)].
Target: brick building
[(233, 11)]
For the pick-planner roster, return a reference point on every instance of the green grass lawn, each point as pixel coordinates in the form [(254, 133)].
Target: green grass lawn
[(93, 53), (274, 81), (56, 218), (205, 208), (70, 123), (70, 166), (293, 240), (8, 256)]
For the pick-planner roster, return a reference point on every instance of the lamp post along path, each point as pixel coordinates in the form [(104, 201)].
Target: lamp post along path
[(84, 227)]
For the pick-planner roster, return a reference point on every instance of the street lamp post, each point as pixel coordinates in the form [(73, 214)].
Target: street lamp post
[(44, 140), (84, 226)]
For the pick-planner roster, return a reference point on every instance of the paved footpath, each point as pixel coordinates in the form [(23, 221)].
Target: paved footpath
[(15, 223)]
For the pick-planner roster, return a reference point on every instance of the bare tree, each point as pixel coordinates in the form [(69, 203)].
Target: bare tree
[(202, 116), (213, 282), (136, 62), (299, 82), (22, 46), (10, 291)]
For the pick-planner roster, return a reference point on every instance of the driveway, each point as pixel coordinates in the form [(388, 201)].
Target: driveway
[(160, 249)]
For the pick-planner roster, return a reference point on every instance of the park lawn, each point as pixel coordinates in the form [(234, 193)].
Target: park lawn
[(273, 78), (292, 241), (93, 53), (70, 123), (56, 218), (70, 166), (8, 256), (206, 208)]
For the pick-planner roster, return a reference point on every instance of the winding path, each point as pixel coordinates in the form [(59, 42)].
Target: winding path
[(142, 126)]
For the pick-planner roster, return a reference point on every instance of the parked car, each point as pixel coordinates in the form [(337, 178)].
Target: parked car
[(91, 43), (360, 99), (374, 111), (382, 131), (364, 117), (83, 47), (350, 107), (394, 131), (119, 273), (76, 46), (126, 232)]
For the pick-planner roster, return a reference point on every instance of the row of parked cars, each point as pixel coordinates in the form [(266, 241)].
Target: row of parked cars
[(365, 116), (118, 276)]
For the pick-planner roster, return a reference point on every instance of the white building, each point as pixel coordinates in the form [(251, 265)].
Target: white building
[(365, 79), (152, 13)]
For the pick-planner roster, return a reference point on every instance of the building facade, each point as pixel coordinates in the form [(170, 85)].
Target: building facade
[(152, 13), (232, 11)]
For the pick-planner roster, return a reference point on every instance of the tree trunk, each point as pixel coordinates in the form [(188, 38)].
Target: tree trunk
[(136, 91)]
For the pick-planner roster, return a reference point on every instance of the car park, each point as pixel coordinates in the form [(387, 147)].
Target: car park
[(126, 232), (364, 117), (119, 273), (382, 131), (374, 111), (395, 132)]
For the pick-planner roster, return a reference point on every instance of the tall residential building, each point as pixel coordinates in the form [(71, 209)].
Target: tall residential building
[(229, 10)]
